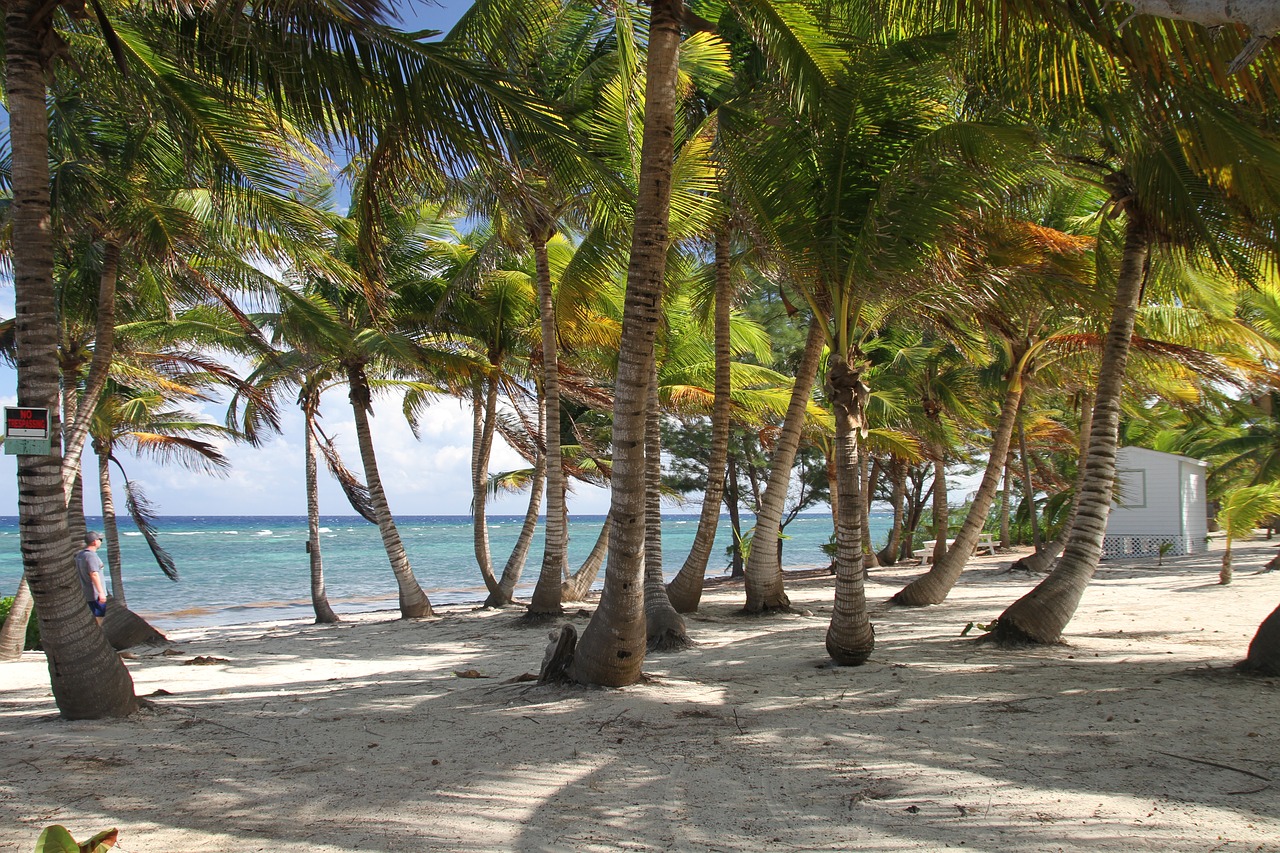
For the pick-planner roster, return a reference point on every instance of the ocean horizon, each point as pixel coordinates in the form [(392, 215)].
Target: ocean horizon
[(253, 568)]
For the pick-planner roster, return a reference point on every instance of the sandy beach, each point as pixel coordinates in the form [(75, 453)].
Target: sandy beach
[(369, 735)]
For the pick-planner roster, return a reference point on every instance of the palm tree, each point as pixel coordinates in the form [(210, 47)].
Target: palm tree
[(1022, 330), (1240, 513), (613, 643), (1150, 183), (257, 57)]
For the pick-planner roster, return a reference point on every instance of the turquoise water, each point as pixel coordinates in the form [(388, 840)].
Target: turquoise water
[(236, 569)]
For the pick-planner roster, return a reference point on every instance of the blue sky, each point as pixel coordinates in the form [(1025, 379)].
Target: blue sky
[(429, 475)]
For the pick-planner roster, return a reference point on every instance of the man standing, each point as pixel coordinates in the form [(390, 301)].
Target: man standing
[(89, 567)]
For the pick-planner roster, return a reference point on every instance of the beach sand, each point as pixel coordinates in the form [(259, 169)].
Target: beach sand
[(1134, 735)]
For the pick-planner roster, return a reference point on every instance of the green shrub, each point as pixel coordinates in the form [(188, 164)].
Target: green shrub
[(33, 627)]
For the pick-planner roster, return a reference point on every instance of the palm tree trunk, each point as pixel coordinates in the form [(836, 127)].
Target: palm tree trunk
[(685, 590), (737, 567), (941, 508), (13, 633), (870, 476), (850, 637), (484, 407), (664, 627), (1006, 532), (764, 572), (103, 350), (1029, 488), (889, 554), (76, 525), (88, 678), (933, 586), (413, 601), (319, 598), (555, 554), (110, 529), (520, 551), (613, 644), (577, 586), (1041, 560), (1264, 650), (1042, 614)]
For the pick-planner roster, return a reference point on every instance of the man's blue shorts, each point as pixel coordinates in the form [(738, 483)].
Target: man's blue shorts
[(98, 608)]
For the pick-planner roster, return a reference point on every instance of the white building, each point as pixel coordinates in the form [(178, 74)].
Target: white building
[(1159, 499)]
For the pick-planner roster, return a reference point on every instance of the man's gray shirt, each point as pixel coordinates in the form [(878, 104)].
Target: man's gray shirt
[(88, 562)]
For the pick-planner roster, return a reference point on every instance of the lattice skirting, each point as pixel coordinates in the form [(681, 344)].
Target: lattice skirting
[(1120, 546)]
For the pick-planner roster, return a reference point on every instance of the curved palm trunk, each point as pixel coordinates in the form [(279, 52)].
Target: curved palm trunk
[(666, 630), (764, 569), (1040, 561), (13, 633), (685, 589), (1040, 615), (850, 637), (934, 585), (76, 525), (520, 551), (110, 529), (104, 336), (483, 410), (413, 601), (576, 587), (555, 554), (1264, 650), (319, 599), (88, 678), (613, 644)]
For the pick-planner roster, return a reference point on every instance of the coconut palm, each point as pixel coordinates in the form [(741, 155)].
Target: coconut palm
[(1240, 513), (1163, 183)]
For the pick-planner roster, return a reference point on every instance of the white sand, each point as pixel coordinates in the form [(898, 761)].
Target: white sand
[(361, 737)]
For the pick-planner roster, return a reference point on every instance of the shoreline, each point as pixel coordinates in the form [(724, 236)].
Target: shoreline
[(380, 733)]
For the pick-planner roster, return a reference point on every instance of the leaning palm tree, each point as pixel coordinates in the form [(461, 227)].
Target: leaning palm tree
[(1166, 184)]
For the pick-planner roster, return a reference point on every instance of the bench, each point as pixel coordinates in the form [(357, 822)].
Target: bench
[(986, 542)]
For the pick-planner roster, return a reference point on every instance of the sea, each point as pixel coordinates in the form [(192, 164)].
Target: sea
[(241, 569)]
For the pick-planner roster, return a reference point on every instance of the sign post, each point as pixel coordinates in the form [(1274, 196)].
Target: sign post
[(26, 431)]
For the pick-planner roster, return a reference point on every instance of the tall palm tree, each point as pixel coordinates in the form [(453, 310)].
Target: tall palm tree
[(613, 643), (1166, 186)]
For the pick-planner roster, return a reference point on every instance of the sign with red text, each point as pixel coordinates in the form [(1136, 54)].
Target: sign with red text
[(26, 431)]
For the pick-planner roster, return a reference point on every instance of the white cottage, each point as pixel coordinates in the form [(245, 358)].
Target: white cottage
[(1159, 498)]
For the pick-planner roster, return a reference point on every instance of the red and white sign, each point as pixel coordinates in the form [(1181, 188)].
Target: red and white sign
[(20, 422)]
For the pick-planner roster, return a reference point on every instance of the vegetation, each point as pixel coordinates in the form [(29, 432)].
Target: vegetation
[(801, 253)]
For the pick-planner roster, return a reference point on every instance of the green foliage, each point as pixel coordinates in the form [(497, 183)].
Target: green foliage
[(56, 839), (33, 626)]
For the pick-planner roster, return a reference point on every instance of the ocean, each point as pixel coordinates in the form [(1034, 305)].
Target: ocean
[(239, 569)]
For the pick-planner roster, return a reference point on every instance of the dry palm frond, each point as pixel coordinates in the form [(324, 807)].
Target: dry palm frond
[(357, 492), (143, 513)]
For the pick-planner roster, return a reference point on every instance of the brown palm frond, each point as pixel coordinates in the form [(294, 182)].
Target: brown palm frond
[(143, 513), (356, 491)]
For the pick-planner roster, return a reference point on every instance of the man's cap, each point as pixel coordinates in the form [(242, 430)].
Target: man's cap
[(91, 537)]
